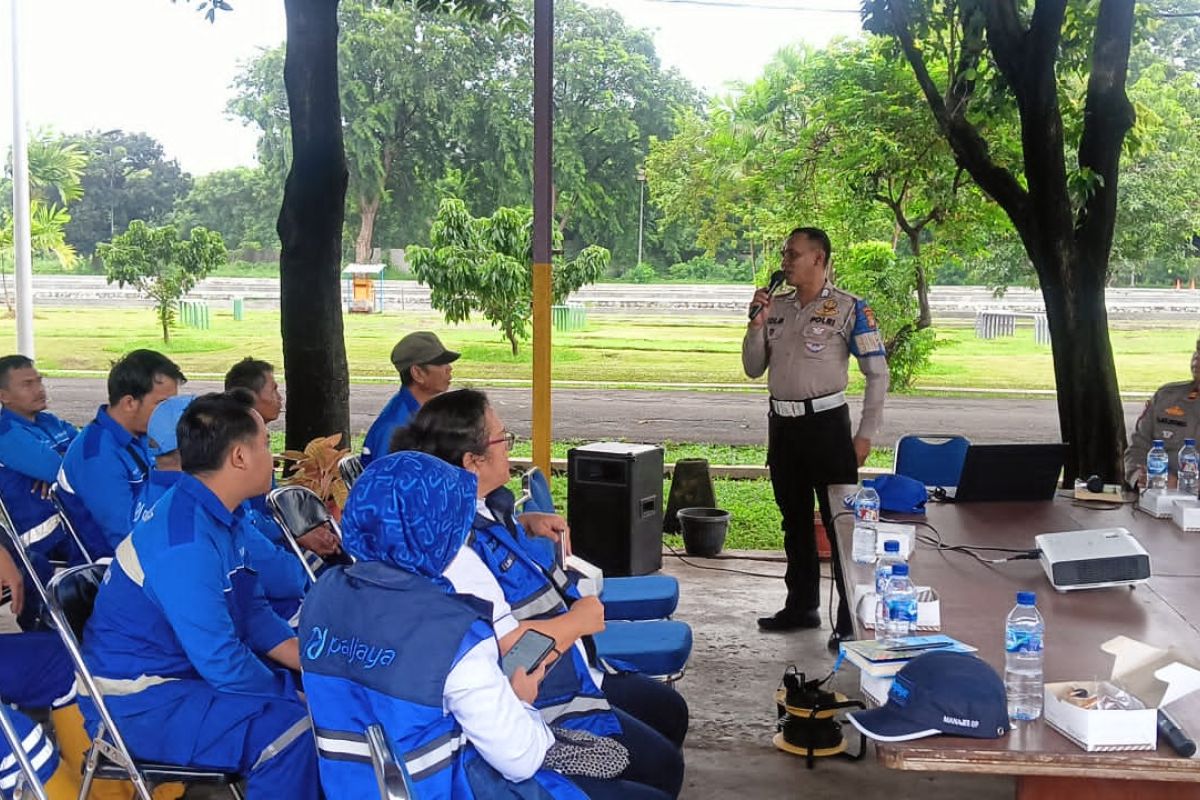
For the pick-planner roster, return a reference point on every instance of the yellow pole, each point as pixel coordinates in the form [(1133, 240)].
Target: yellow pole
[(542, 425)]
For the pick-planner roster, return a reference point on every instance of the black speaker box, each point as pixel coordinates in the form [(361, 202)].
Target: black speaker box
[(614, 506)]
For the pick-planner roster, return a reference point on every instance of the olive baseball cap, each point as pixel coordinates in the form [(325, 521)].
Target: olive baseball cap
[(421, 347)]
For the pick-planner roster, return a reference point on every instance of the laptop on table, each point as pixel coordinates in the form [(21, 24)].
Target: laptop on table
[(1003, 472)]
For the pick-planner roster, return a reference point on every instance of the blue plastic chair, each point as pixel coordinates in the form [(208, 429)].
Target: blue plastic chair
[(640, 597), (933, 459), (657, 648)]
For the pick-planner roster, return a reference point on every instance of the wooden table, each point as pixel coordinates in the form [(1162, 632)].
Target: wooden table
[(975, 599)]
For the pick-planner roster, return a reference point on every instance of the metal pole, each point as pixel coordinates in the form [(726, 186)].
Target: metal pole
[(22, 241), (641, 211), (543, 127)]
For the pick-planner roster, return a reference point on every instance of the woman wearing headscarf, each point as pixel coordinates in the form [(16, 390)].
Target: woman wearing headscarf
[(388, 641), (462, 429)]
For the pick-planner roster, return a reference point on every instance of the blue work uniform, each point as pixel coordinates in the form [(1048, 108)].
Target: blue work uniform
[(283, 579), (395, 414), (35, 672), (568, 696), (103, 478), (378, 643), (31, 452), (177, 643)]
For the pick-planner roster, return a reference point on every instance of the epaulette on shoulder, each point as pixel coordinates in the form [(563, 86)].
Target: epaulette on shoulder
[(1181, 386)]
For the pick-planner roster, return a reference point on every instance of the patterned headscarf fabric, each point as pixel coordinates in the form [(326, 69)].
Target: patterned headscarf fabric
[(410, 510)]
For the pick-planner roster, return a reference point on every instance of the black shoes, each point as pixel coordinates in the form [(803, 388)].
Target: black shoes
[(835, 640), (790, 621)]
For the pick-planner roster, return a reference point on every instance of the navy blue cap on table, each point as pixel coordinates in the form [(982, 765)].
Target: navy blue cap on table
[(938, 692)]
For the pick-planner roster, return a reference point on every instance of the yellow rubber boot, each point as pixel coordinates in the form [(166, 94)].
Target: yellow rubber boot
[(73, 744)]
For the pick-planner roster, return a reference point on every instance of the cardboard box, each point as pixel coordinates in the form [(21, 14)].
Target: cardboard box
[(929, 607), (1187, 514), (1153, 675)]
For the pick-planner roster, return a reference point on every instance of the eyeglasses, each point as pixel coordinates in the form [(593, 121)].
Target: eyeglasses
[(509, 438)]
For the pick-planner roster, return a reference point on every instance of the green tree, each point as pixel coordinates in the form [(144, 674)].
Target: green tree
[(485, 265), (1027, 57), (160, 265), (128, 177), (239, 203), (874, 271)]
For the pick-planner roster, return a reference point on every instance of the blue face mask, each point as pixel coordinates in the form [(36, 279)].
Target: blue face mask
[(900, 494)]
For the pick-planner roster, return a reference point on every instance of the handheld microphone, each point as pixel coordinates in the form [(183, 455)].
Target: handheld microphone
[(776, 282), (1169, 729)]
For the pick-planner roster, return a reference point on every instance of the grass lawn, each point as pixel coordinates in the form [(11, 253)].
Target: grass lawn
[(611, 349)]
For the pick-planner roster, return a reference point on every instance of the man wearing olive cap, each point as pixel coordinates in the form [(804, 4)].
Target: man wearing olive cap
[(424, 366)]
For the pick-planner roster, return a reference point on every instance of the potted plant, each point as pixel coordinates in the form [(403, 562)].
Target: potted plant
[(316, 469)]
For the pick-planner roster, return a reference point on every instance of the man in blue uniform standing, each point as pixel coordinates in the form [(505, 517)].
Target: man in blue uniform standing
[(103, 475), (424, 366), (191, 658), (32, 444)]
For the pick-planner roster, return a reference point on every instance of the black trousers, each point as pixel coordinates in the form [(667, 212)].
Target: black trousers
[(806, 455)]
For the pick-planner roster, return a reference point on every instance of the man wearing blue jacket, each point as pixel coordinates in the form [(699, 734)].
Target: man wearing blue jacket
[(193, 662), (282, 576), (425, 370), (103, 475), (32, 444)]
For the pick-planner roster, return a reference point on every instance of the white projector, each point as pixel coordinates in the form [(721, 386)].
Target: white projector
[(1093, 559)]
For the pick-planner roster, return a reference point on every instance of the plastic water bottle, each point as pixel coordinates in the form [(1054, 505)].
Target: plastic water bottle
[(866, 517), (1024, 633), (901, 602), (1189, 468), (1156, 466), (883, 573)]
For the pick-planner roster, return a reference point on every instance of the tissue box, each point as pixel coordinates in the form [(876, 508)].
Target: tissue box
[(929, 608), (902, 533), (1151, 674), (1160, 502), (1187, 514)]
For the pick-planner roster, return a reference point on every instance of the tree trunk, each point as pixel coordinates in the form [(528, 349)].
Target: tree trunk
[(368, 210), (310, 229), (925, 318), (162, 317)]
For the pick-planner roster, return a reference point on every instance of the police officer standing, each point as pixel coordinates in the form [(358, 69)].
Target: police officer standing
[(805, 337), (1173, 414)]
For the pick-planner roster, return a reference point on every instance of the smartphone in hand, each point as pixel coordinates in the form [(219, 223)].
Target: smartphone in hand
[(528, 653)]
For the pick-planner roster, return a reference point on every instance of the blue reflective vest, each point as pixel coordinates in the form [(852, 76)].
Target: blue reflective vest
[(103, 478), (376, 645), (31, 452), (396, 414), (568, 696)]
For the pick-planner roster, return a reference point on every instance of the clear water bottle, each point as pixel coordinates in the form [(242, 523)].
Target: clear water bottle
[(901, 601), (1189, 468), (866, 517), (883, 573), (1024, 634), (1156, 466)]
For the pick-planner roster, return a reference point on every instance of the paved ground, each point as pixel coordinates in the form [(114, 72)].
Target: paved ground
[(721, 417)]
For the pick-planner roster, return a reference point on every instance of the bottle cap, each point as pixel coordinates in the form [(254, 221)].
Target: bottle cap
[(1189, 442), (1026, 598), (899, 569), (1158, 442), (891, 546), (868, 483)]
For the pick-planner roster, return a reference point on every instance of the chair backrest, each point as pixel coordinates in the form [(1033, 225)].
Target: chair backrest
[(298, 510), (61, 508), (535, 485), (71, 598), (350, 467), (390, 774), (933, 459), (22, 555), (27, 781)]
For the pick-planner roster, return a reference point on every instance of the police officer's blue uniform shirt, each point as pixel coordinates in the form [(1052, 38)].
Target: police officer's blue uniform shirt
[(32, 452), (103, 478), (179, 601), (279, 571), (395, 414)]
